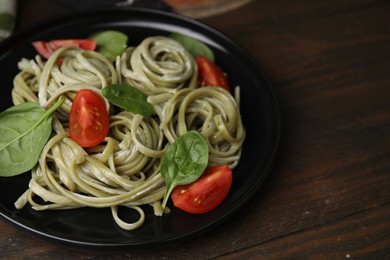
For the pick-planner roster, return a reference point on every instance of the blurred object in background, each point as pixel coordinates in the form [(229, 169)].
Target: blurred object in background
[(88, 4), (191, 8), (7, 17), (31, 12), (204, 8)]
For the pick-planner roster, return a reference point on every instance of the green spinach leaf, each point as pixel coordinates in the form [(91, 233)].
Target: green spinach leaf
[(193, 46), (24, 130), (184, 161), (129, 98), (110, 43)]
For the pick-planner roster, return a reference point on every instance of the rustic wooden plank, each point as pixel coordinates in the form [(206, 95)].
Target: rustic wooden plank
[(363, 235)]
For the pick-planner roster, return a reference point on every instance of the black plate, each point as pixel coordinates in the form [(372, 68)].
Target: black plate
[(95, 227)]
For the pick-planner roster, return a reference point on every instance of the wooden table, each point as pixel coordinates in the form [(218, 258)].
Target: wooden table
[(328, 196)]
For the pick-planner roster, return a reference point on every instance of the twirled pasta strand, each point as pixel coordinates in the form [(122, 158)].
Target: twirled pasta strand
[(159, 64)]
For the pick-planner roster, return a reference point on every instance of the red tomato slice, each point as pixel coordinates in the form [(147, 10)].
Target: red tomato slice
[(85, 44), (88, 118), (210, 74), (42, 48), (46, 48), (206, 193)]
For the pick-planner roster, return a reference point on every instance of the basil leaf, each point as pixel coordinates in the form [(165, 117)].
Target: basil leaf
[(193, 46), (110, 43), (129, 98), (184, 161), (24, 131)]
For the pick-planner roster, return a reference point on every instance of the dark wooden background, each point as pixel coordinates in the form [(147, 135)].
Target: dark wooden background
[(328, 196)]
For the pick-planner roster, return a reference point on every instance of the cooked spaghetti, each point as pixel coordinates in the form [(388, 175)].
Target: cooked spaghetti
[(124, 170)]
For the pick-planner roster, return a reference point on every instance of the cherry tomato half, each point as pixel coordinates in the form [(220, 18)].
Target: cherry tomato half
[(46, 48), (88, 118), (206, 193), (210, 74)]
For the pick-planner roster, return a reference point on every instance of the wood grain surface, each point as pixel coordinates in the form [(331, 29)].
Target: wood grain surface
[(328, 196)]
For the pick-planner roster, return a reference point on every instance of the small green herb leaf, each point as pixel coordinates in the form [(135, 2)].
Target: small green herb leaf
[(193, 46), (110, 43), (128, 98), (184, 161), (24, 130)]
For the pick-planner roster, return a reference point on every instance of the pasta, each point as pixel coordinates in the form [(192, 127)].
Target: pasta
[(124, 170), (158, 64)]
